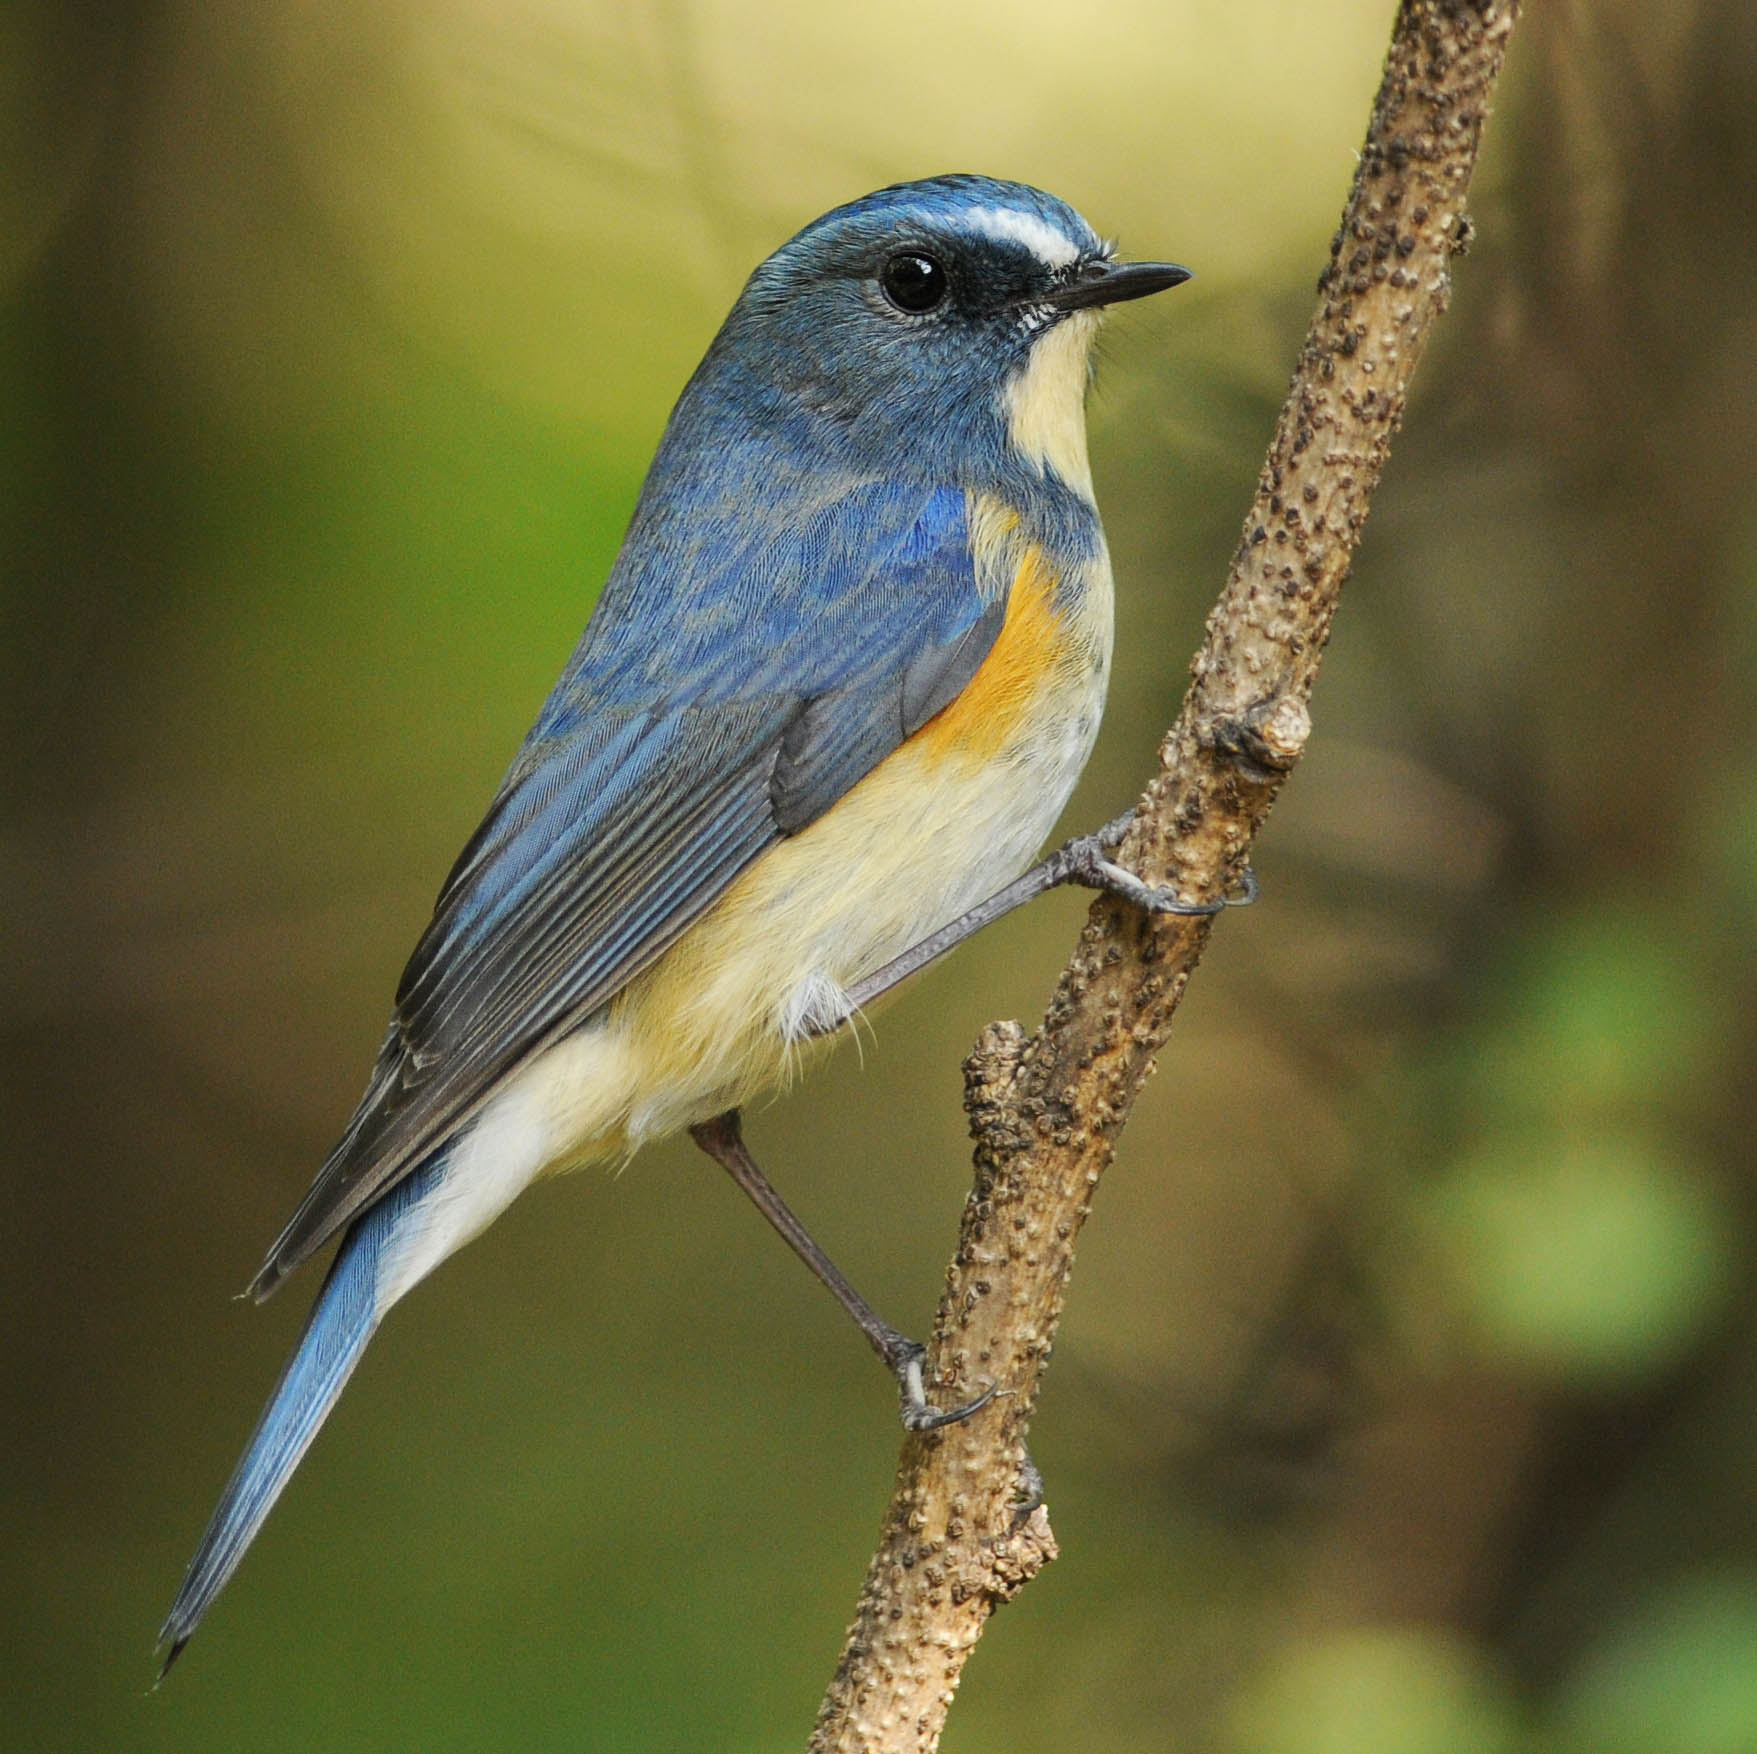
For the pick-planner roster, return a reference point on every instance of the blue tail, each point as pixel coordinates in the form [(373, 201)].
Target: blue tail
[(344, 1318)]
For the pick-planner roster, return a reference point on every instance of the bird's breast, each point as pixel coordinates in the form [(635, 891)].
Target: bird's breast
[(1037, 697), (955, 812)]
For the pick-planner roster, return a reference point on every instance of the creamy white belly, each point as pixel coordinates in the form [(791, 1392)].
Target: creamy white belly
[(722, 1016)]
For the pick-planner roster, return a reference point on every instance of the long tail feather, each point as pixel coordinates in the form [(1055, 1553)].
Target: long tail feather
[(343, 1320)]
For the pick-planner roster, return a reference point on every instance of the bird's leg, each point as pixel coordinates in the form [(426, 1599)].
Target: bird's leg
[(1084, 860), (723, 1140)]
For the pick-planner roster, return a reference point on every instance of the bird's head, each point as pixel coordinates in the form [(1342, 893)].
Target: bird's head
[(939, 321)]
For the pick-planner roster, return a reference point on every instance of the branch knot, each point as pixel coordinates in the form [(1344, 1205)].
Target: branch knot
[(1010, 1563)]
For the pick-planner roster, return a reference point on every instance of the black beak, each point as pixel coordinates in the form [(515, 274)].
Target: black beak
[(1109, 283)]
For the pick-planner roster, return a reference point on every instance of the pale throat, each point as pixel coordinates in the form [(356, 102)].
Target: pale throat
[(1045, 401)]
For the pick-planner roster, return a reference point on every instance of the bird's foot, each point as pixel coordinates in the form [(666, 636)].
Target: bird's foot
[(907, 1359), (1085, 860)]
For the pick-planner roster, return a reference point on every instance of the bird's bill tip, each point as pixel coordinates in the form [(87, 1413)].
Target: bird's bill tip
[(1101, 282)]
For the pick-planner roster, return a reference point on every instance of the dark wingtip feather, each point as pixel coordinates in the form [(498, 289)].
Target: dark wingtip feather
[(265, 1284), (173, 1647)]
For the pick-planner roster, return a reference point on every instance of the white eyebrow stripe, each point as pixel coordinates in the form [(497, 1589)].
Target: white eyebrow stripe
[(1055, 249)]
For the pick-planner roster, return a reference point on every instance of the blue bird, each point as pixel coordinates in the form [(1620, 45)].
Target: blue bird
[(847, 667)]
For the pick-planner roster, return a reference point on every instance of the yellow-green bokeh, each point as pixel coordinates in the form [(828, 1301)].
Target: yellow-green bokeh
[(1403, 1396)]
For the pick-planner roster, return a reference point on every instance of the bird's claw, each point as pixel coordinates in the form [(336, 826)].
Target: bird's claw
[(1083, 861), (1028, 1492), (918, 1413)]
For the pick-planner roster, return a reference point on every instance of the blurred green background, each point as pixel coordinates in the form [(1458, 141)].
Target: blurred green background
[(1405, 1400)]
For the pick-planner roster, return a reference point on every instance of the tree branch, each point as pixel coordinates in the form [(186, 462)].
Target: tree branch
[(1045, 1112)]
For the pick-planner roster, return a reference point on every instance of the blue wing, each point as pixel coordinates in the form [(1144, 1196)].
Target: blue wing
[(736, 680)]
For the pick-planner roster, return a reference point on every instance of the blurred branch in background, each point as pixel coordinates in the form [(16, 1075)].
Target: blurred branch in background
[(1046, 1112)]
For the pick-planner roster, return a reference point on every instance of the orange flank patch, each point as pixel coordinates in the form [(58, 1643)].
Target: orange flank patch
[(991, 711)]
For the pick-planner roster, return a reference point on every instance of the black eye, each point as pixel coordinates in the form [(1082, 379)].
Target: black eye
[(913, 282)]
